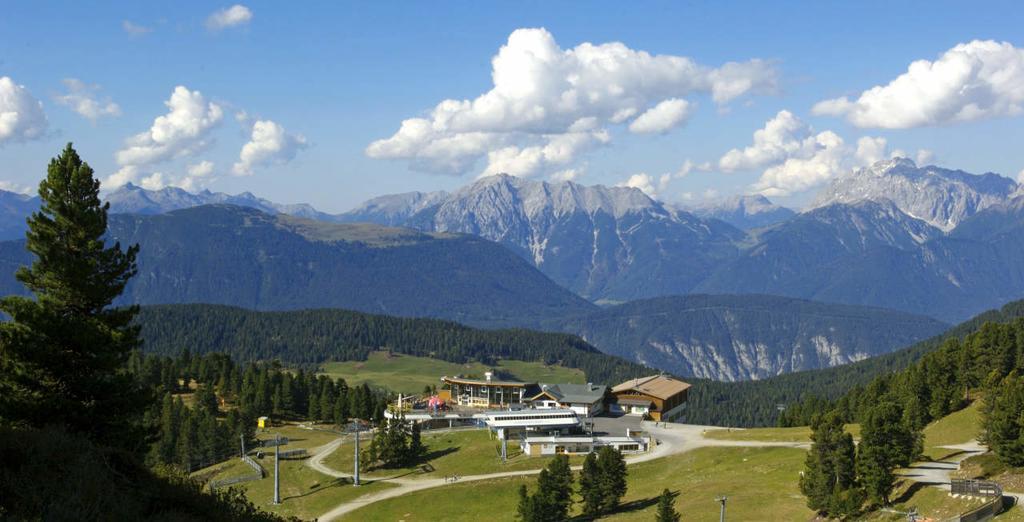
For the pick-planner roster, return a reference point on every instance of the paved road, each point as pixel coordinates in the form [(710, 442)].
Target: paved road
[(673, 439)]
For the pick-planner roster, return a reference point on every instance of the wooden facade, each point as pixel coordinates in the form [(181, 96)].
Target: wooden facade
[(667, 395)]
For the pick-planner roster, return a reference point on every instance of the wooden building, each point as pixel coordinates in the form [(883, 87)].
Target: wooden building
[(660, 397)]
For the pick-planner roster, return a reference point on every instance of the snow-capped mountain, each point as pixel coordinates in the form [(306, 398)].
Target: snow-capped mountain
[(601, 242), (744, 212), (942, 197)]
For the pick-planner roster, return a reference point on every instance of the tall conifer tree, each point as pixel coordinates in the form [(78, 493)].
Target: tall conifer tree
[(63, 353)]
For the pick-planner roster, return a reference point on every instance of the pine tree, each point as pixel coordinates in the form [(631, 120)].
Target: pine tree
[(63, 352), (416, 449), (590, 486), (666, 507), (886, 444), (612, 475), (1003, 421), (525, 510), (554, 491), (829, 481)]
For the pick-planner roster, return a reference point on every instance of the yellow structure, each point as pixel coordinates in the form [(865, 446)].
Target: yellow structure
[(263, 422)]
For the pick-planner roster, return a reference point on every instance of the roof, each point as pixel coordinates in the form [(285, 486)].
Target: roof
[(529, 412), (659, 386), (573, 393), (482, 382)]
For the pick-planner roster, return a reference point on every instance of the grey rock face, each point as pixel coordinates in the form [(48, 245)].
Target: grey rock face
[(744, 212), (612, 243), (393, 209), (941, 197)]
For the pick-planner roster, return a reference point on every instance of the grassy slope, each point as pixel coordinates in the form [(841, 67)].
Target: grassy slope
[(305, 493), (797, 434), (757, 481), (409, 374), (956, 428), (452, 453)]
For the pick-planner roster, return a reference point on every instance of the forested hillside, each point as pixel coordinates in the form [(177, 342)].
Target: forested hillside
[(310, 337), (741, 337), (755, 403), (240, 256)]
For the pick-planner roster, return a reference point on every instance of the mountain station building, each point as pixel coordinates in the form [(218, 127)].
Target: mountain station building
[(660, 397)]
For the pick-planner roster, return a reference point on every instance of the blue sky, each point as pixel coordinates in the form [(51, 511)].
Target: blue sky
[(319, 83)]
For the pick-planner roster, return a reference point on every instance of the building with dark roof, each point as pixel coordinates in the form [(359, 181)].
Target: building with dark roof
[(585, 399)]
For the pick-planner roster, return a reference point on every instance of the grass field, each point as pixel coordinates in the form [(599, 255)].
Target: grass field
[(797, 434), (305, 493), (451, 453), (409, 374), (956, 428), (761, 484)]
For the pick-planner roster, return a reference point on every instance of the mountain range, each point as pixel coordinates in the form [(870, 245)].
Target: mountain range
[(507, 251)]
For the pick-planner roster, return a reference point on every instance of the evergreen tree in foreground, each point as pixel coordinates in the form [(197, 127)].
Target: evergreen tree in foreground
[(612, 468), (62, 353), (886, 443), (1003, 421), (551, 501), (829, 481), (666, 507), (590, 486)]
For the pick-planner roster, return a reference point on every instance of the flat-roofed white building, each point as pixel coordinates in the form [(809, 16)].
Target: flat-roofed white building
[(539, 445)]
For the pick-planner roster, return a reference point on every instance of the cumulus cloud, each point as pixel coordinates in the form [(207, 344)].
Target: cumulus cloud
[(233, 16), (1020, 176), (268, 143), (794, 158), (11, 186), (82, 98), (654, 186), (974, 80), (661, 118), (183, 131), (135, 29), (642, 181), (541, 93), (21, 115), (781, 137)]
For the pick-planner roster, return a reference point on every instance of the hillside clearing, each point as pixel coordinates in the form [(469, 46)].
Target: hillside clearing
[(410, 374)]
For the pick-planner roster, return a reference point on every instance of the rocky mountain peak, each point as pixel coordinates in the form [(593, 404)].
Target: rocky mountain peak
[(941, 197)]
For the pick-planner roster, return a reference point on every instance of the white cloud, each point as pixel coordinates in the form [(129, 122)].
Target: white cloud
[(1020, 176), (567, 175), (924, 157), (235, 15), (154, 181), (82, 98), (653, 186), (974, 80), (782, 136), (11, 186), (642, 181), (662, 118), (268, 143), (135, 29), (542, 92), (183, 131), (21, 115), (871, 150), (795, 158)]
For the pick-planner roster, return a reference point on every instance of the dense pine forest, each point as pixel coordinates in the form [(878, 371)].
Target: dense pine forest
[(227, 398), (801, 394), (310, 337)]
